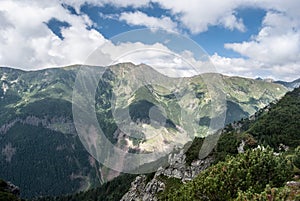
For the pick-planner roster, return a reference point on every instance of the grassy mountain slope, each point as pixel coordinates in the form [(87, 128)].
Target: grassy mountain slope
[(40, 149), (259, 174), (256, 174)]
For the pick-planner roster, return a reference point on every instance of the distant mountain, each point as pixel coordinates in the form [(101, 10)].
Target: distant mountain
[(291, 85), (41, 151)]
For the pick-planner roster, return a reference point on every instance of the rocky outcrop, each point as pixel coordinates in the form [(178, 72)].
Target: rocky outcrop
[(140, 190), (13, 189), (241, 147), (178, 169), (147, 191), (9, 187), (293, 183)]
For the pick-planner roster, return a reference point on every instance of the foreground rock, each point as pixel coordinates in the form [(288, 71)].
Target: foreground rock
[(147, 191)]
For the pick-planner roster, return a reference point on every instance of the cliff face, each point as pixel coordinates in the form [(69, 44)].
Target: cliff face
[(143, 189)]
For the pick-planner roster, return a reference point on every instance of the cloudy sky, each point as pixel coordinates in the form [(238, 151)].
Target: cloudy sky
[(252, 38)]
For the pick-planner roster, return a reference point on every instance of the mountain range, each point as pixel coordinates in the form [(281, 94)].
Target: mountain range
[(256, 158), (42, 151)]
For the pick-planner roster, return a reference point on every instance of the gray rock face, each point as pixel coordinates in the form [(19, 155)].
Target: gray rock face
[(178, 168), (9, 187), (293, 183), (140, 190), (241, 147), (13, 189), (136, 192)]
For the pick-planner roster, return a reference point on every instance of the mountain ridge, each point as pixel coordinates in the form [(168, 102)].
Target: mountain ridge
[(40, 105), (235, 144)]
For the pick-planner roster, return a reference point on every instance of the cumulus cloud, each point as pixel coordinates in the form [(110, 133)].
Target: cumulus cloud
[(198, 15), (27, 42), (253, 68), (158, 56), (118, 3), (276, 46), (236, 66), (139, 18), (231, 22), (278, 42)]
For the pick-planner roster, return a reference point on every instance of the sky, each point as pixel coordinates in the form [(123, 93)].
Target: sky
[(250, 38)]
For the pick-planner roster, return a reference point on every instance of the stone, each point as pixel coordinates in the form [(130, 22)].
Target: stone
[(177, 169)]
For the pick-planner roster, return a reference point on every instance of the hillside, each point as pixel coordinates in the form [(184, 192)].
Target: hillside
[(240, 172), (40, 148), (237, 171)]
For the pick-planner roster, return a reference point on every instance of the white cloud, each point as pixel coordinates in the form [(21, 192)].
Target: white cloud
[(231, 22), (118, 3), (276, 46), (278, 42), (34, 45), (28, 43), (236, 66), (198, 15), (139, 18), (253, 68), (195, 15), (156, 55)]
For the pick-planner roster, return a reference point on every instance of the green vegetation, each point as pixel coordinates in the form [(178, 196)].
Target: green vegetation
[(47, 162), (110, 191), (274, 194), (50, 162), (249, 172), (6, 194), (276, 126), (281, 124), (171, 185), (193, 151), (256, 174)]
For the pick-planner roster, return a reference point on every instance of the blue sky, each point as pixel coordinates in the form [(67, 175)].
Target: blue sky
[(212, 40), (241, 37)]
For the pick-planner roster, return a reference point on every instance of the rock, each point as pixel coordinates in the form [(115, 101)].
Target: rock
[(241, 147), (283, 147), (176, 173), (141, 191), (293, 183), (136, 190), (9, 188), (161, 187), (13, 189), (177, 169)]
